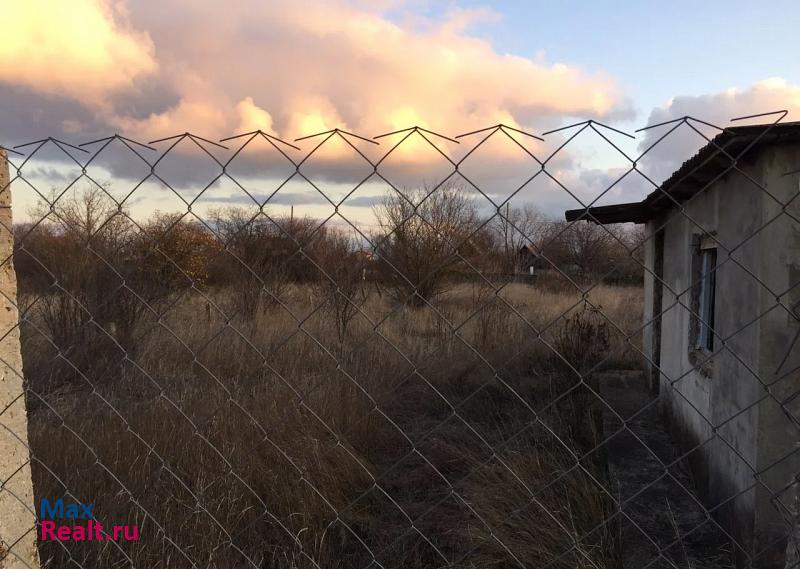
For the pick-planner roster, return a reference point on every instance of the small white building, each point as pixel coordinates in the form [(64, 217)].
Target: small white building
[(721, 327)]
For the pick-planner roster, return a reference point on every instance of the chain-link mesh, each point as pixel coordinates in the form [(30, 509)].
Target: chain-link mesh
[(384, 352)]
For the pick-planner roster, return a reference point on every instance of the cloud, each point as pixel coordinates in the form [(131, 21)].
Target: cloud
[(189, 113), (252, 117), (765, 96), (150, 69), (292, 67), (83, 49)]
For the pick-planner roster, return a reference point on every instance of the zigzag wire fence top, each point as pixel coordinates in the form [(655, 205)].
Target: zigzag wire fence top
[(475, 452)]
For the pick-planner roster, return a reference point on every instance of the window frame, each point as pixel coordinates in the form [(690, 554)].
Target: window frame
[(706, 296)]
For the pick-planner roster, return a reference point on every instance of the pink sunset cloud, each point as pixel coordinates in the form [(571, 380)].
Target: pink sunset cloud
[(292, 69)]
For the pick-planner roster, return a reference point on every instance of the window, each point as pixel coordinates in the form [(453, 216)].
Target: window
[(705, 297)]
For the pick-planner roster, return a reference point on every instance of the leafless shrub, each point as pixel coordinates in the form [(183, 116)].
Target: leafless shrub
[(492, 315), (76, 262), (342, 282), (262, 257), (91, 276), (424, 238), (581, 343), (175, 254), (583, 340)]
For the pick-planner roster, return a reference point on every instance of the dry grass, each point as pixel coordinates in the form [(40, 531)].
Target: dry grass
[(410, 443)]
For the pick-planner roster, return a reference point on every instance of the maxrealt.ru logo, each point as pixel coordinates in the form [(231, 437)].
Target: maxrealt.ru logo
[(75, 521)]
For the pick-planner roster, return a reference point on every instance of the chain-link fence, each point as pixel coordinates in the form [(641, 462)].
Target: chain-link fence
[(357, 352)]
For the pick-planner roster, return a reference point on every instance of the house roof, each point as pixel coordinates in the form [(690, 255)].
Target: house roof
[(709, 164)]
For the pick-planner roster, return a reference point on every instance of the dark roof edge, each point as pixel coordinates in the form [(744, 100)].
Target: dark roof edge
[(694, 175), (618, 213)]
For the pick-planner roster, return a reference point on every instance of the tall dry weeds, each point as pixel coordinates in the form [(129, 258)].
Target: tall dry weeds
[(266, 441)]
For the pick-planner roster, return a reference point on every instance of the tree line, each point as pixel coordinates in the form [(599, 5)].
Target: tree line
[(87, 258)]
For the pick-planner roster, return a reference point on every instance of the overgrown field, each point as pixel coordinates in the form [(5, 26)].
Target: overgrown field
[(299, 433)]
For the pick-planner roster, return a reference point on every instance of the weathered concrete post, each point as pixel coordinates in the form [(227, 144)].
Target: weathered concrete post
[(17, 517)]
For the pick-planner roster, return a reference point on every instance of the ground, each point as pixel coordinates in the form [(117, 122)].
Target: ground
[(664, 524)]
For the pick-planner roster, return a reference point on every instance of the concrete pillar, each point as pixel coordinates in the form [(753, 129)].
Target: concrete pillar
[(17, 509)]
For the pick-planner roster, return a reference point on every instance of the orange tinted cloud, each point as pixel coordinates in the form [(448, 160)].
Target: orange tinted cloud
[(252, 117), (319, 64), (296, 68), (82, 49)]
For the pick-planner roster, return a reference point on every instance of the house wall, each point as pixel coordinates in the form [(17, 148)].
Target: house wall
[(779, 439), (720, 406)]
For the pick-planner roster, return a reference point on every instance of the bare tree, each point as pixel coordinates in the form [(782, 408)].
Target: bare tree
[(86, 213), (595, 250), (423, 239), (589, 247), (98, 273), (255, 263), (78, 261)]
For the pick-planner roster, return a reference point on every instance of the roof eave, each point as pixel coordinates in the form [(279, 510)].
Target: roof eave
[(634, 212), (712, 162)]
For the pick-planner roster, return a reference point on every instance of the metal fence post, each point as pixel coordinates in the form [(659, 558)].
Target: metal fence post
[(17, 509)]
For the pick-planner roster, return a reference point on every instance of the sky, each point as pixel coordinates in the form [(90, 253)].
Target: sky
[(657, 50), (84, 69)]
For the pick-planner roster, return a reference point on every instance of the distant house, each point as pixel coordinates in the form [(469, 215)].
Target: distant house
[(526, 260), (364, 256), (721, 321)]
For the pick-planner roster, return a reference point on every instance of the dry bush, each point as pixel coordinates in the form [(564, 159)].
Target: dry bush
[(263, 256), (341, 285), (175, 253), (90, 277), (75, 267), (425, 234), (254, 263), (583, 340), (492, 317)]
